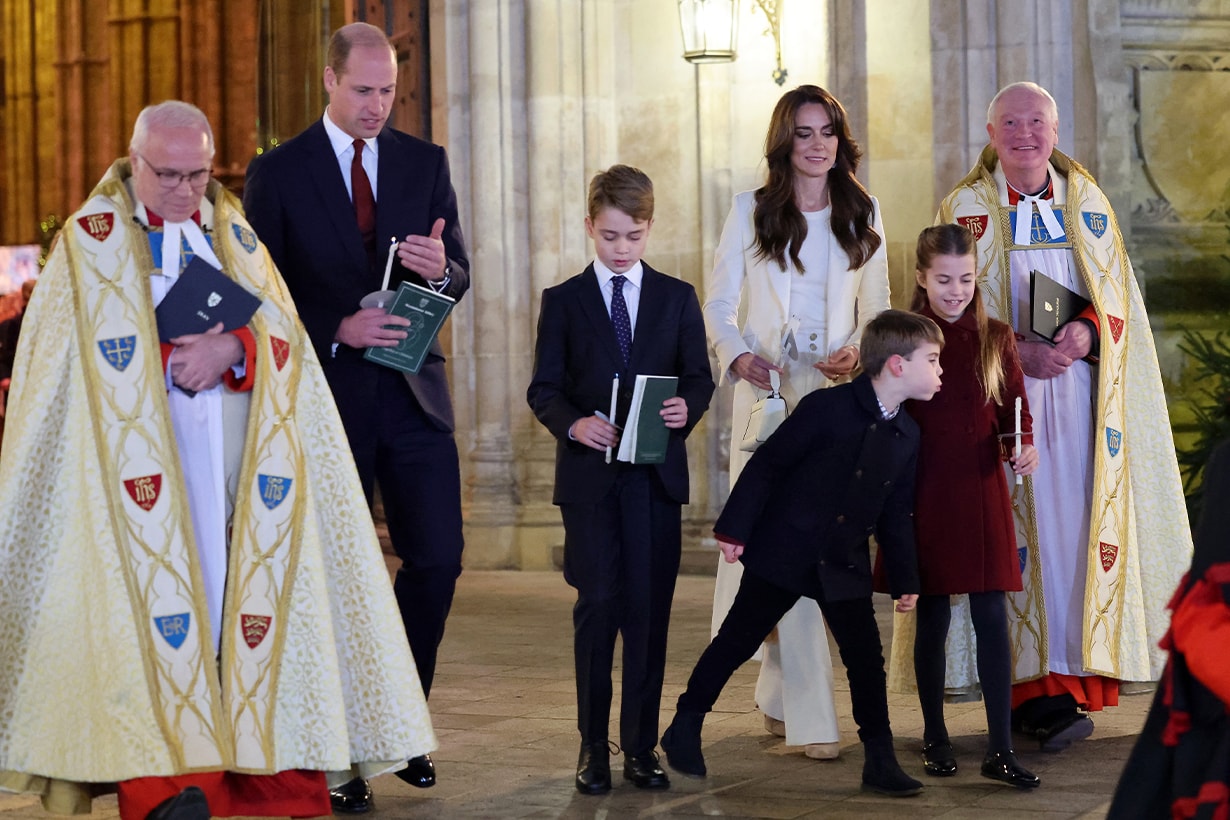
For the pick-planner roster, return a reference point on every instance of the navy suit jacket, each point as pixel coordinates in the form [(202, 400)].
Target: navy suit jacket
[(809, 498), (295, 198), (576, 356)]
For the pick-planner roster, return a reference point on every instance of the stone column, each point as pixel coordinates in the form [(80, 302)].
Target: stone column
[(848, 64), (498, 248)]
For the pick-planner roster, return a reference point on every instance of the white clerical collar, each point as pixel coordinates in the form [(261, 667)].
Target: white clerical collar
[(341, 141), (634, 274), (1026, 204), (173, 232)]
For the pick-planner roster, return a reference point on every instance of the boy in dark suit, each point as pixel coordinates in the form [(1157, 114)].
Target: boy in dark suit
[(621, 318), (840, 468)]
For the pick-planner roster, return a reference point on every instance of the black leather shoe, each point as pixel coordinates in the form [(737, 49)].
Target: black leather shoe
[(420, 772), (644, 771), (594, 768), (1063, 731), (352, 797), (1003, 766), (938, 760), (190, 804)]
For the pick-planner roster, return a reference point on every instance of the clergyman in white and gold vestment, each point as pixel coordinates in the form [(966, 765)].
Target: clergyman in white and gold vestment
[(193, 591)]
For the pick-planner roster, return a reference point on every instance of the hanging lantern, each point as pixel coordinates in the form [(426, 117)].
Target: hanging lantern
[(710, 30)]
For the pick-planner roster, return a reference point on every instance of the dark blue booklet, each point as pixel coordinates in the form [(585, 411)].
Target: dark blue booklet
[(202, 297)]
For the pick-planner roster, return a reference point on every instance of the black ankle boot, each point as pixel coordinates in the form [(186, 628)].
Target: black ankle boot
[(681, 742), (882, 773)]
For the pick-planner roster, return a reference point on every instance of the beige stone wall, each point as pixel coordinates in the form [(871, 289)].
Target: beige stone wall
[(901, 134), (532, 97)]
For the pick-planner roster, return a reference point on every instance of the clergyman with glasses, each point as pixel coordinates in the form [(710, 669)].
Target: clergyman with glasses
[(192, 579)]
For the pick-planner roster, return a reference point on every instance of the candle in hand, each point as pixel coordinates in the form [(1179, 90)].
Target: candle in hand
[(388, 266), (1016, 451)]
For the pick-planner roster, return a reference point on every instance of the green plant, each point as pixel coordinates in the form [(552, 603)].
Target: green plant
[(48, 227), (1210, 403)]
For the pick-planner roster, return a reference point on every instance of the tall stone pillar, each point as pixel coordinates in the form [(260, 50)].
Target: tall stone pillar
[(848, 63), (498, 247), (557, 176)]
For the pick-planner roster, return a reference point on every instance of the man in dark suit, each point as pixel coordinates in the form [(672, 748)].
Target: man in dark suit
[(621, 521), (322, 203)]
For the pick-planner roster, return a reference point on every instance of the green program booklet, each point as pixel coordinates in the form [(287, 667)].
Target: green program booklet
[(426, 311), (645, 434)]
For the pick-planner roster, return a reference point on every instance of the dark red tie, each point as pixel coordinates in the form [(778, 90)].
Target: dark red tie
[(364, 200)]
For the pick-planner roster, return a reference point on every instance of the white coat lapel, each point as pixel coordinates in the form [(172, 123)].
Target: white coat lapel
[(840, 289), (780, 279)]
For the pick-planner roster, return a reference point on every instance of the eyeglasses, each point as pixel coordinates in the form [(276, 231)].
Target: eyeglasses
[(172, 179)]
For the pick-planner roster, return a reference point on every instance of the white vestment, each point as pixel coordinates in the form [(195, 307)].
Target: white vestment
[(108, 670)]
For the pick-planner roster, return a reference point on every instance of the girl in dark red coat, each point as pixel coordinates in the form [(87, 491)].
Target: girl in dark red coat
[(963, 514)]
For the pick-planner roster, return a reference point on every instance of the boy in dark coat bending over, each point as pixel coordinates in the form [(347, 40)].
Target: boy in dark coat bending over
[(838, 470)]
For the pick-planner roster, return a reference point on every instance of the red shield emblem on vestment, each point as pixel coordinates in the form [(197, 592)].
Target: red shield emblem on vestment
[(254, 628), (144, 490), (281, 351), (1116, 327), (1108, 554), (97, 225), (977, 225)]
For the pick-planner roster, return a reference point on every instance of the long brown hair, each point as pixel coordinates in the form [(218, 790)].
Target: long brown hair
[(956, 240), (780, 226)]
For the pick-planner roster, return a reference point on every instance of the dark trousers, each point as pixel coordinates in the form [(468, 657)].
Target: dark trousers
[(989, 612), (757, 608), (621, 555), (415, 464)]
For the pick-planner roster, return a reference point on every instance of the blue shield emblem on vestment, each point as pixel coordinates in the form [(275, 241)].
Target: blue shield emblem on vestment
[(274, 489), (1097, 222), (1020, 554), (173, 628), (245, 237), (1114, 440), (118, 351)]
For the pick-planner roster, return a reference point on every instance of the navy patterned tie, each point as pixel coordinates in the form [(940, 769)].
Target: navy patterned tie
[(619, 316)]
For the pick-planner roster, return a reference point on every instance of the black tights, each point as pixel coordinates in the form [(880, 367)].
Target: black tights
[(990, 615)]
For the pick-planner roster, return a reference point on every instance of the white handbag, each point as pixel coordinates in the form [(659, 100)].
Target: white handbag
[(766, 416)]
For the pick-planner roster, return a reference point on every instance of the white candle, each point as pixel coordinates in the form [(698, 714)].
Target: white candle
[(1016, 451), (614, 399), (388, 266)]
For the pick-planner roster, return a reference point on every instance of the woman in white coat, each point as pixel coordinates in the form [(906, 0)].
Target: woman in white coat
[(805, 254)]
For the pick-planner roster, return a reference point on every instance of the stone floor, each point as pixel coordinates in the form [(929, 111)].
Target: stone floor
[(503, 707)]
